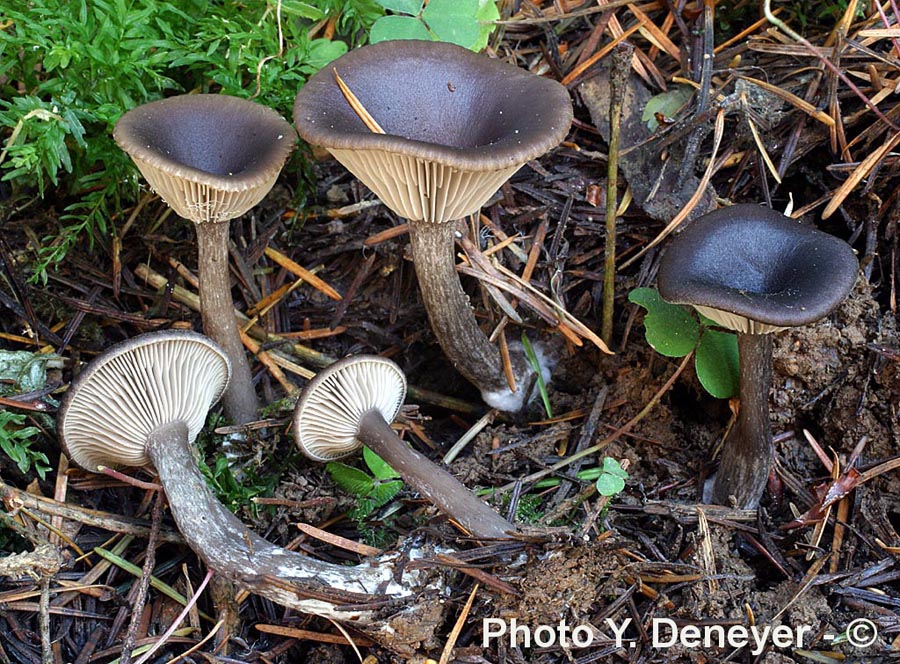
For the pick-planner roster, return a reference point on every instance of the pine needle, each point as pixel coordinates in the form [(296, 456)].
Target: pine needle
[(356, 105)]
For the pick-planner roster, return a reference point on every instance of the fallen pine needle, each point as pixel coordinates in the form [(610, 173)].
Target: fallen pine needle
[(299, 271), (356, 105), (457, 628), (865, 167), (338, 541), (793, 100), (308, 635), (161, 586), (181, 616)]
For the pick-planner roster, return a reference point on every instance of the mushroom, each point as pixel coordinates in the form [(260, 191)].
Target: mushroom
[(457, 125), (755, 271), (350, 404), (143, 401), (211, 158)]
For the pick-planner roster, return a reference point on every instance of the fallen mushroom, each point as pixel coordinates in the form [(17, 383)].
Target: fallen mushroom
[(457, 125), (142, 402), (211, 158), (755, 271), (351, 404)]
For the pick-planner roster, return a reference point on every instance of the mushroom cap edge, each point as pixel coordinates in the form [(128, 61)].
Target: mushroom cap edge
[(91, 435), (327, 415), (762, 269)]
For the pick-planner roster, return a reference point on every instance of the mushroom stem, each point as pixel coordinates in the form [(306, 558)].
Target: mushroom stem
[(237, 553), (747, 453), (446, 492), (447, 305), (217, 312)]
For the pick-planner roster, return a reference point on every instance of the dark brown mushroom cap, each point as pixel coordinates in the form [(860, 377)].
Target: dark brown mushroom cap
[(439, 104), (759, 265), (210, 157), (135, 386), (328, 413)]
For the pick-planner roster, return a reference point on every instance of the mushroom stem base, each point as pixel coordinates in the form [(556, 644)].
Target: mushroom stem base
[(447, 304), (217, 312), (446, 492), (283, 576), (747, 451)]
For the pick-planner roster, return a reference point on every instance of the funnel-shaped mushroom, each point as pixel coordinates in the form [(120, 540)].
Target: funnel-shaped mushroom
[(211, 158), (755, 271), (457, 126), (350, 404), (143, 402)]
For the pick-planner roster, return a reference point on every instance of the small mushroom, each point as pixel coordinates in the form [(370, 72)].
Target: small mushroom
[(457, 125), (350, 404), (755, 271), (142, 402), (211, 158)]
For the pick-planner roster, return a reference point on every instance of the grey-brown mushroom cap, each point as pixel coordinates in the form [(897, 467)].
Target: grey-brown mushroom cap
[(758, 264), (215, 151), (134, 387), (437, 102), (328, 412)]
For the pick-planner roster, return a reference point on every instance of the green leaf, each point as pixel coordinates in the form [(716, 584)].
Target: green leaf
[(666, 103), (671, 329), (453, 21), (323, 51), (388, 28), (302, 9), (379, 467), (382, 493), (609, 485), (411, 7), (613, 467), (717, 363), (350, 479), (486, 16)]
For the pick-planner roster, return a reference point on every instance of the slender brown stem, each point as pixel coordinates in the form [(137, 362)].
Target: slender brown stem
[(440, 487), (237, 553), (449, 313), (618, 77), (747, 451), (140, 597), (217, 311)]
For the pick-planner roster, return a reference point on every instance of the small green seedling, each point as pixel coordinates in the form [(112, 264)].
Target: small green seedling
[(467, 23), (612, 478), (371, 491), (535, 365), (233, 492), (237, 472), (674, 330), (21, 371), (16, 440)]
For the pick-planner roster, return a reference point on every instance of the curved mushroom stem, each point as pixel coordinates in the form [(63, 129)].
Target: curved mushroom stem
[(446, 492), (747, 451), (232, 550), (217, 312), (453, 320)]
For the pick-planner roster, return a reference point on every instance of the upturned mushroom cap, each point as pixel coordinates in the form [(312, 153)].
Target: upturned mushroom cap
[(754, 270), (457, 124), (210, 157), (328, 413), (135, 386)]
